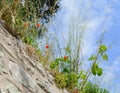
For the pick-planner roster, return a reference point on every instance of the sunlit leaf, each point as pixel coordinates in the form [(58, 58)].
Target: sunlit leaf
[(53, 65), (82, 75), (99, 71), (67, 49), (102, 48), (92, 58), (94, 69), (105, 57)]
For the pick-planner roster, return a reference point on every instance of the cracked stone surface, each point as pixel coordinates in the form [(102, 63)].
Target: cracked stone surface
[(19, 73)]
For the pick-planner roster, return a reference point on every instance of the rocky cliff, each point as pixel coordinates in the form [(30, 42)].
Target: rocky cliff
[(18, 72)]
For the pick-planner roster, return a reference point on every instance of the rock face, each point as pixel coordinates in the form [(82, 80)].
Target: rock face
[(18, 72)]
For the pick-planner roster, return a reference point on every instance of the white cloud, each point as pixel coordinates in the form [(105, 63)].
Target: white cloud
[(91, 35), (112, 76), (113, 69)]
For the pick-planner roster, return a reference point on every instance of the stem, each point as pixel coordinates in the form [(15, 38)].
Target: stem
[(89, 71)]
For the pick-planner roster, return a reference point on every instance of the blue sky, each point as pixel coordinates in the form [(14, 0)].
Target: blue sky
[(98, 16)]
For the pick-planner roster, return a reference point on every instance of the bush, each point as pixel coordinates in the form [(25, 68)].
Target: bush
[(72, 80), (60, 80), (19, 16), (94, 88)]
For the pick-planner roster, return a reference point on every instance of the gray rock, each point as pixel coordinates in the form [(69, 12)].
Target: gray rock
[(31, 69), (45, 85), (11, 88), (1, 55), (41, 70), (50, 78), (2, 91), (8, 40), (2, 68), (31, 62), (23, 77)]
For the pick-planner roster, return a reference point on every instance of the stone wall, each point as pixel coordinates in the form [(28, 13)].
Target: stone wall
[(18, 72)]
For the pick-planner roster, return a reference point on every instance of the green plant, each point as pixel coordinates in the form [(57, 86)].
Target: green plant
[(60, 80), (69, 65), (43, 9), (16, 12), (72, 80), (53, 65), (9, 12), (96, 70), (96, 59), (59, 63), (62, 65), (94, 88), (101, 55)]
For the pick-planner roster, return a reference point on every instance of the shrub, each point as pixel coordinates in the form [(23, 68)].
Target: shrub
[(9, 12), (94, 88), (72, 80), (60, 80), (19, 15)]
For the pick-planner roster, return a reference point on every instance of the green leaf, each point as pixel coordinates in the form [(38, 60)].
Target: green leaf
[(66, 70), (58, 59), (94, 69), (105, 57), (99, 71), (94, 72), (67, 49), (102, 48), (82, 75), (68, 61), (92, 58), (53, 65)]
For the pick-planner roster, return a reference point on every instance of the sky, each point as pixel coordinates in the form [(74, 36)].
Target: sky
[(98, 16)]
